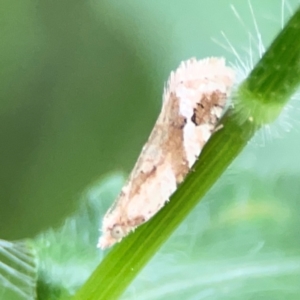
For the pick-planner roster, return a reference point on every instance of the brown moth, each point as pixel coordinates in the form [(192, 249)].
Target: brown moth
[(193, 101)]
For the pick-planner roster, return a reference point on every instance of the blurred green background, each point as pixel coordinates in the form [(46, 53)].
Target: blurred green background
[(81, 86)]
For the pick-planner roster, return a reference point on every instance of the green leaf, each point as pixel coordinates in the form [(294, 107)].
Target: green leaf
[(18, 270), (68, 255)]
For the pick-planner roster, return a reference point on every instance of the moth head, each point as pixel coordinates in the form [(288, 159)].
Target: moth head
[(111, 236), (118, 232)]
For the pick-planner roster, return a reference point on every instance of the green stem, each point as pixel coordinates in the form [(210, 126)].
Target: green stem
[(274, 79)]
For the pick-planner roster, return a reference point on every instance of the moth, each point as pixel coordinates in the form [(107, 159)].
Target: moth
[(193, 102)]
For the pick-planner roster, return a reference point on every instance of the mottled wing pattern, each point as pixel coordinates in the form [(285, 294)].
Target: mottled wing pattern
[(193, 102)]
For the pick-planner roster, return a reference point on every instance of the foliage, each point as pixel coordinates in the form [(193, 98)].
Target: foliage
[(241, 241)]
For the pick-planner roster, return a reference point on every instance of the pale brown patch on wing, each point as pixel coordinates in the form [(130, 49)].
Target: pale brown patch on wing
[(174, 147), (202, 113), (167, 136)]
